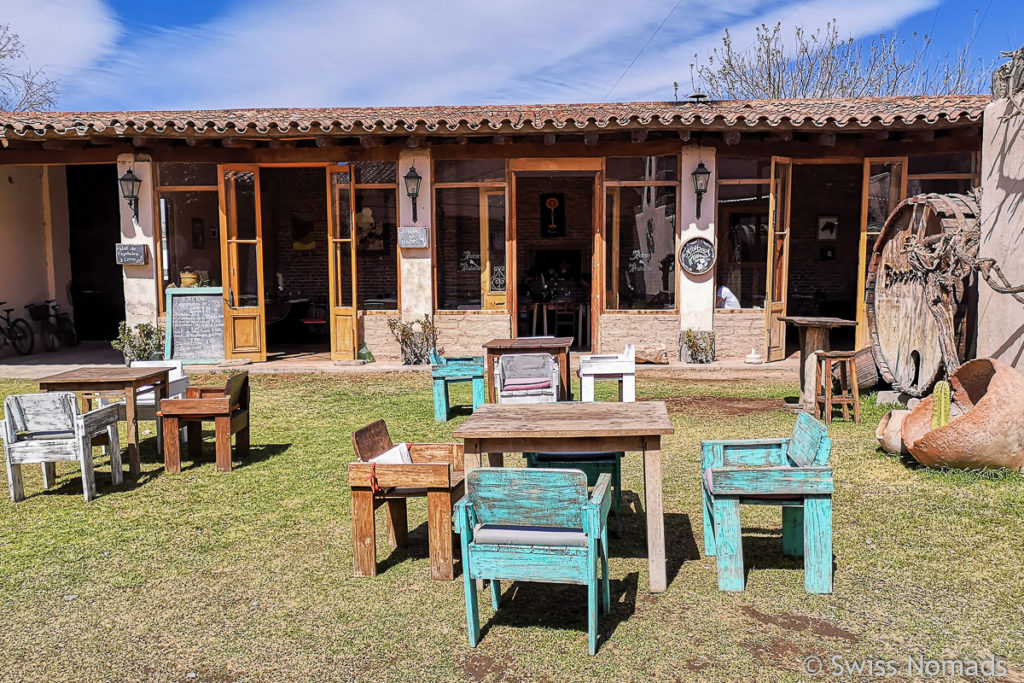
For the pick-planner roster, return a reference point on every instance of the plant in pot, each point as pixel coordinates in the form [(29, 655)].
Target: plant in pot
[(417, 338), (142, 342), (696, 346)]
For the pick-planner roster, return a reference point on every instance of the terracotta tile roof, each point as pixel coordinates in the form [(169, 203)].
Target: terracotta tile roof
[(821, 113)]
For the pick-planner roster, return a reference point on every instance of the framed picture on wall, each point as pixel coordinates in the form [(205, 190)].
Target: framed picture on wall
[(198, 234), (828, 228), (552, 215), (213, 233)]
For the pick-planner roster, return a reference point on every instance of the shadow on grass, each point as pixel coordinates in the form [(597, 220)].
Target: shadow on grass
[(553, 605), (415, 548), (680, 542)]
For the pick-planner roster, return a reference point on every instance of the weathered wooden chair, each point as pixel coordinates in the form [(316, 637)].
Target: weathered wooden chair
[(227, 406), (527, 378), (519, 524), (593, 465), (452, 370), (792, 473), (433, 470), (46, 428), (620, 368)]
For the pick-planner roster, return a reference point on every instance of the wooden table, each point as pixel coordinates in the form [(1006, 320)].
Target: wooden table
[(556, 346), (566, 427), (814, 333), (111, 381)]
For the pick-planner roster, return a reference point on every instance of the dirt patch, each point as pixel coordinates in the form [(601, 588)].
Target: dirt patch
[(796, 622), (478, 667), (723, 406), (777, 652)]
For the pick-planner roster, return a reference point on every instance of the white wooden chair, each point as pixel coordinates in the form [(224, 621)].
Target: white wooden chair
[(46, 428), (145, 398), (527, 378), (620, 368)]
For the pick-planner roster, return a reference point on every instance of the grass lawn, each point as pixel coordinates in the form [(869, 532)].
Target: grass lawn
[(248, 575)]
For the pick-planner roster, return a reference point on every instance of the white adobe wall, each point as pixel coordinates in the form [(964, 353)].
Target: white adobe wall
[(140, 282), (696, 292), (416, 265), (1000, 317)]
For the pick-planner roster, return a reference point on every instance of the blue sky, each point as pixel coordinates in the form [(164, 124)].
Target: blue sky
[(121, 55)]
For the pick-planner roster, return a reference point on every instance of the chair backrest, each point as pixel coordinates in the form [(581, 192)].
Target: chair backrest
[(46, 412), (810, 443), (177, 370), (371, 440), (629, 353), (519, 365), (527, 497), (436, 359), (237, 390)]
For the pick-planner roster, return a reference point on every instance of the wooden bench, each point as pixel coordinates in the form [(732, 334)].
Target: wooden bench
[(227, 406), (792, 473), (452, 370), (436, 473)]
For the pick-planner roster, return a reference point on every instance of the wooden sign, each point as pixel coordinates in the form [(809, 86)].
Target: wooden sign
[(195, 325), (697, 255), (130, 254)]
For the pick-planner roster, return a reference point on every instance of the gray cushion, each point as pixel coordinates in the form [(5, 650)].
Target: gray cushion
[(498, 534), (45, 436)]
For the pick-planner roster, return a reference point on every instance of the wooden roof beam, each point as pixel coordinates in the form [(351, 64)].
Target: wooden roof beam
[(638, 135), (590, 139), (550, 138), (369, 143), (414, 141), (826, 139), (731, 137), (237, 143)]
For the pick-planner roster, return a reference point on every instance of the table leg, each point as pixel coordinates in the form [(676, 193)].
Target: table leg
[(160, 392), (131, 417), (563, 373), (471, 455), (812, 340), (655, 515)]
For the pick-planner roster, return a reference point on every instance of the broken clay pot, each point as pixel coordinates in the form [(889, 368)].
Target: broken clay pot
[(988, 433), (889, 432)]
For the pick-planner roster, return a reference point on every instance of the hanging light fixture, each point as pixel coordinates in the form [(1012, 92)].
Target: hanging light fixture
[(701, 176), (412, 188), (130, 184)]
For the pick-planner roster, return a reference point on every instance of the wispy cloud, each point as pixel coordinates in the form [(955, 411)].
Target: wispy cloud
[(319, 53)]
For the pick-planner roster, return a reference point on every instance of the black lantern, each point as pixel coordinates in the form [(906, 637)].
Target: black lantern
[(412, 188), (130, 184), (701, 175)]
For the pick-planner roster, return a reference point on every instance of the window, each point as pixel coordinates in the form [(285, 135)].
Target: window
[(742, 193), (469, 244), (954, 173), (640, 232), (376, 235)]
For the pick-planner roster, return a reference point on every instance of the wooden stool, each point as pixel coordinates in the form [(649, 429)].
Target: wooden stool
[(849, 392)]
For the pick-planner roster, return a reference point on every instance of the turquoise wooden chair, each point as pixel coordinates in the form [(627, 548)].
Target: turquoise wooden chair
[(591, 464), (518, 524), (447, 371), (792, 473)]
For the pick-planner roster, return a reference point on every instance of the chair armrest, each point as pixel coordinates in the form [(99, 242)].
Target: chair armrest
[(766, 481), (195, 406), (600, 501), (435, 475), (465, 519), (101, 418)]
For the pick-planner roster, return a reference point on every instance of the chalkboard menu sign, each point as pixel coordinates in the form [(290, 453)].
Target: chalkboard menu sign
[(195, 325), (697, 255), (130, 254)]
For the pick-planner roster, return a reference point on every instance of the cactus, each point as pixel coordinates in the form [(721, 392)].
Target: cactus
[(940, 405)]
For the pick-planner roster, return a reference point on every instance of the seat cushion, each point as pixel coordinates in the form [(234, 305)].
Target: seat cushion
[(46, 435), (499, 534), (525, 383)]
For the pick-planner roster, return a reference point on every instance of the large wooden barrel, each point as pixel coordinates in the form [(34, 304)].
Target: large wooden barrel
[(910, 345)]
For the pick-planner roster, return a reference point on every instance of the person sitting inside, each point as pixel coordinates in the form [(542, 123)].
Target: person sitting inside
[(725, 298)]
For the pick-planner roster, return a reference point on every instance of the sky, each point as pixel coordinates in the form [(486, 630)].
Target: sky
[(123, 55)]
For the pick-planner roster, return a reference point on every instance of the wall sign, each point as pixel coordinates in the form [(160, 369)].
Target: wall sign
[(697, 255), (195, 325), (130, 254), (413, 238)]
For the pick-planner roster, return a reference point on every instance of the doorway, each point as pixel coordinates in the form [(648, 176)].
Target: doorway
[(94, 221), (554, 236)]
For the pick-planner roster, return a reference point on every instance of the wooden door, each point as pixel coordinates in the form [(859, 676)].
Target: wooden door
[(342, 264), (241, 248), (885, 186), (778, 258), (494, 271)]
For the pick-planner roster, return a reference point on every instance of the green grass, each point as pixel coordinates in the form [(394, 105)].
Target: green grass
[(248, 575)]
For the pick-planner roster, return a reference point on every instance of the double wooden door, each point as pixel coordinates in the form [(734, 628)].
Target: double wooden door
[(242, 244), (778, 257)]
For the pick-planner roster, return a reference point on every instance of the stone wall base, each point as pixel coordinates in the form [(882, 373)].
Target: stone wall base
[(737, 332)]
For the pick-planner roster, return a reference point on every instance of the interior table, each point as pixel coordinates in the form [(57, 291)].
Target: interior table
[(556, 346), (814, 333), (126, 382), (568, 427)]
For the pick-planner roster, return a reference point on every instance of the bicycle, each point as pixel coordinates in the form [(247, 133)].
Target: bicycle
[(17, 331), (54, 325)]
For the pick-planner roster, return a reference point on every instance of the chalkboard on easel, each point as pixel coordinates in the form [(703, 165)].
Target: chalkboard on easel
[(195, 325)]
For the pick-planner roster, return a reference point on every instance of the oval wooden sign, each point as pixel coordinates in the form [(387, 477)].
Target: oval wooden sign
[(697, 255)]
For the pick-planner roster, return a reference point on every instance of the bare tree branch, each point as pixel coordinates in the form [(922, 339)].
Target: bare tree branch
[(22, 90)]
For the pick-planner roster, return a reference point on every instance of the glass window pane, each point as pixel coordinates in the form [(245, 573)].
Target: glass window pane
[(171, 173), (733, 167), (743, 253), (496, 239), (645, 263), (883, 193), (376, 234), (939, 185), (241, 190), (468, 170), (376, 172), (642, 168), (458, 249), (190, 234), (732, 196), (959, 162), (342, 212), (248, 274), (343, 266)]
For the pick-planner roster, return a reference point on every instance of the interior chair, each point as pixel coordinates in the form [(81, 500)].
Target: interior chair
[(315, 318), (388, 474), (519, 524), (527, 378), (227, 406), (792, 473), (47, 428)]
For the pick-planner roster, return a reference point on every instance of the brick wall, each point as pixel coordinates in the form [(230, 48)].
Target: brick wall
[(374, 332), (294, 203), (463, 334), (646, 331), (738, 332), (579, 219)]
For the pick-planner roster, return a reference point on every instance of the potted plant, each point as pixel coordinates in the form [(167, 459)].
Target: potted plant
[(142, 342)]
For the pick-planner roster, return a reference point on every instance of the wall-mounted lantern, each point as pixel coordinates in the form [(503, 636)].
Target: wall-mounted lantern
[(412, 188), (701, 176), (130, 184)]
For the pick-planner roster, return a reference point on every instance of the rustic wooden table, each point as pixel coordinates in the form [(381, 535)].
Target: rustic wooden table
[(91, 382), (566, 427), (814, 333), (556, 346)]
